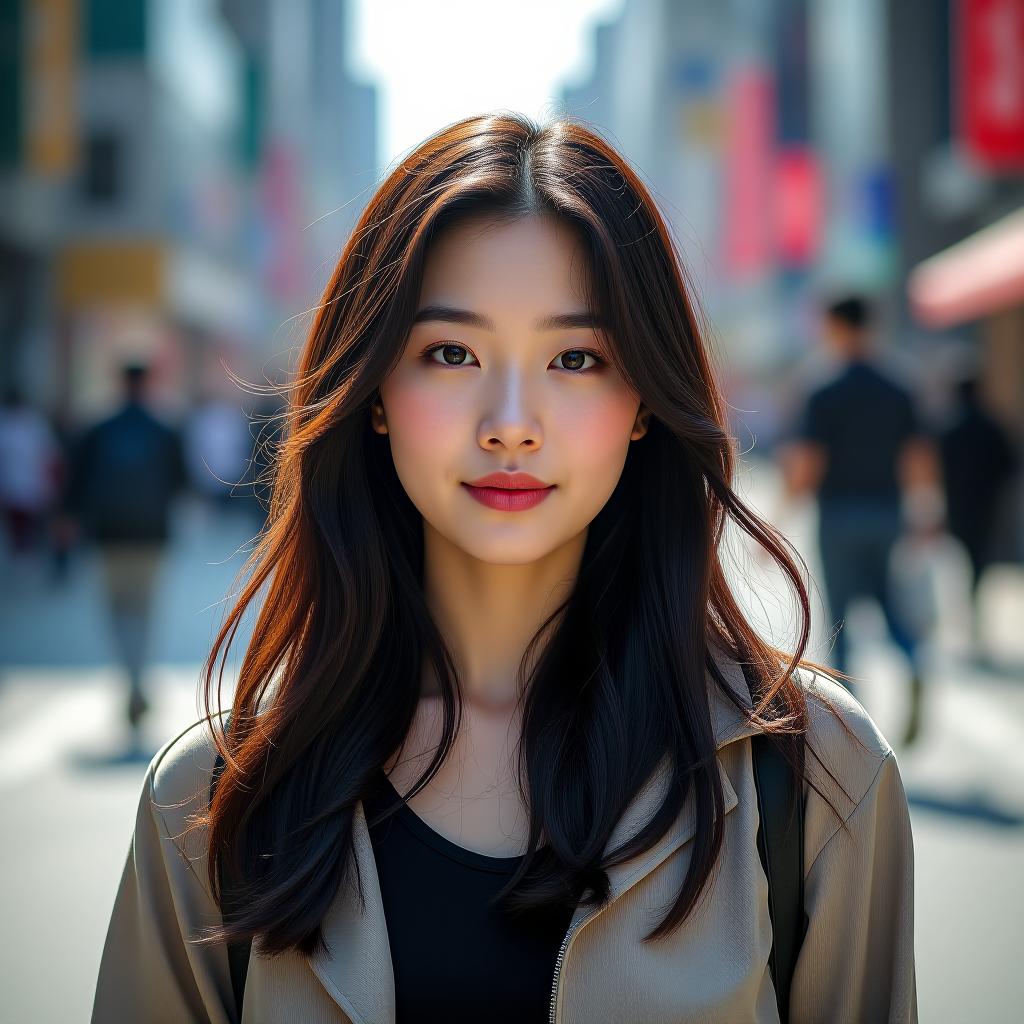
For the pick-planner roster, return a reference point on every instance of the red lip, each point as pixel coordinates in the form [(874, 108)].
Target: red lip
[(509, 492), (506, 499), (510, 481)]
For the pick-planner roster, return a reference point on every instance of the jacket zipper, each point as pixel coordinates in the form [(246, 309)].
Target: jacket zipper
[(561, 956), (563, 949)]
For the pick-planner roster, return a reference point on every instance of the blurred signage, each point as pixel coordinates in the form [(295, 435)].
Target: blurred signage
[(990, 82), (749, 172), (111, 273), (282, 212), (695, 77), (50, 50), (694, 74), (879, 215), (799, 206), (775, 194)]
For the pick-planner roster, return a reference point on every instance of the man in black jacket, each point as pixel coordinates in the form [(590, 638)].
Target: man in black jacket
[(124, 474), (860, 445)]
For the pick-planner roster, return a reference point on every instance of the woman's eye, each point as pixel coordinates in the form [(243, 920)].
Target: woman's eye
[(457, 353), (576, 358)]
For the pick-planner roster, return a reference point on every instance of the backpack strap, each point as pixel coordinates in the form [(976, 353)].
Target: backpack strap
[(238, 952), (780, 843)]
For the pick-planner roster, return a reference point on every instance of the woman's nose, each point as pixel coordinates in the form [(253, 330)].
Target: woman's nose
[(509, 418)]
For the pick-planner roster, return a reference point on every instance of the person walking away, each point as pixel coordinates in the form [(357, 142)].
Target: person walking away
[(978, 462), (125, 472), (859, 447)]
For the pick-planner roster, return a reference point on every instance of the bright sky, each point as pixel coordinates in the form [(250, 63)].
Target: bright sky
[(435, 61)]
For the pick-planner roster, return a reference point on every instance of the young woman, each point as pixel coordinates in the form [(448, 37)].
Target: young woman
[(490, 751)]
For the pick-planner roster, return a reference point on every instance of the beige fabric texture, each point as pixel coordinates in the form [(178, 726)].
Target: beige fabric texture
[(856, 963)]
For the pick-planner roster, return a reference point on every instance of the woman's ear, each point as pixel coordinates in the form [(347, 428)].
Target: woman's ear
[(377, 418), (643, 419)]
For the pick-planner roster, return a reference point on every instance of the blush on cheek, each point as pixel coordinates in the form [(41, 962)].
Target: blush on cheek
[(416, 414), (600, 428)]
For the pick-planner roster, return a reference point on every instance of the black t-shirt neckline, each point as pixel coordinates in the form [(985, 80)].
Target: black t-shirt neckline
[(423, 832)]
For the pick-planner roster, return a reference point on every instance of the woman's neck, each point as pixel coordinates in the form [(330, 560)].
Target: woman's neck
[(487, 612)]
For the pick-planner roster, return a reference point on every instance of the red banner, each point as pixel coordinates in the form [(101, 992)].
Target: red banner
[(799, 206), (990, 81), (748, 173)]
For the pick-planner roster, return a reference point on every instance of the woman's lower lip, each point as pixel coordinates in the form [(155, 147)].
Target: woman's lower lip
[(507, 500)]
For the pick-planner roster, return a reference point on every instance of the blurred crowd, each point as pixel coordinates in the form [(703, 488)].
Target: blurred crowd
[(113, 484)]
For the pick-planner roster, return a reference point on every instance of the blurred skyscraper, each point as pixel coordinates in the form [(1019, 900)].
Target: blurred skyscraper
[(159, 162)]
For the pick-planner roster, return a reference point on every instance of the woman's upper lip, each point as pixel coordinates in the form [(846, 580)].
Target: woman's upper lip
[(509, 481)]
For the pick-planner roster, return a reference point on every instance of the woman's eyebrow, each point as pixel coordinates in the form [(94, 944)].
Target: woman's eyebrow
[(555, 322)]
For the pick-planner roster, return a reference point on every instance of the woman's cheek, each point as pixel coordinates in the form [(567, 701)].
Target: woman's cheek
[(418, 417), (597, 433)]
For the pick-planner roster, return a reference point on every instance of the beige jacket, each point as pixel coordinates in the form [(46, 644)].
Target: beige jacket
[(856, 963)]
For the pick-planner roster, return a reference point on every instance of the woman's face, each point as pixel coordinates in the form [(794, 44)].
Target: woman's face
[(492, 388)]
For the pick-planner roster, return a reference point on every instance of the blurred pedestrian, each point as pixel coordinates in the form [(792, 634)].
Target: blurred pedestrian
[(859, 446), (978, 462), (29, 462), (124, 473)]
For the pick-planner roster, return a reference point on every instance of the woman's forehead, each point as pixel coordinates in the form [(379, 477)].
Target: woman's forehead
[(531, 262)]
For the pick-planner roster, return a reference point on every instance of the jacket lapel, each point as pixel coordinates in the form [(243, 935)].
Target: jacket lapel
[(728, 725), (358, 972)]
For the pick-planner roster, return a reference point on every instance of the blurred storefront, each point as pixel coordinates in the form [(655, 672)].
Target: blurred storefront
[(106, 219), (980, 281), (963, 237), (168, 172)]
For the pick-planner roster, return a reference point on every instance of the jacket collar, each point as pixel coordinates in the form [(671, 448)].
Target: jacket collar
[(358, 972)]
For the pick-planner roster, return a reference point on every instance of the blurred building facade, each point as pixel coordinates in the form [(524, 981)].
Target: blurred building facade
[(800, 148), (957, 145), (159, 162), (763, 127)]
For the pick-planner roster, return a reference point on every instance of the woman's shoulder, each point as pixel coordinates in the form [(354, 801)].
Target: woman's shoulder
[(180, 772), (838, 724), (843, 738)]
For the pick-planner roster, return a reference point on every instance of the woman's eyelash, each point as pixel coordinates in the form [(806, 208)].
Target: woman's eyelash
[(454, 344)]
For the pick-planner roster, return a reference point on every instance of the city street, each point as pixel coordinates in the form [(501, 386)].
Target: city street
[(228, 228), (68, 806)]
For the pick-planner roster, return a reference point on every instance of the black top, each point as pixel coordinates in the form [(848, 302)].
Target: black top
[(456, 958), (862, 418)]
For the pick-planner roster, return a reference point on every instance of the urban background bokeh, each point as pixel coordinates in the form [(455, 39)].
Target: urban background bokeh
[(845, 182)]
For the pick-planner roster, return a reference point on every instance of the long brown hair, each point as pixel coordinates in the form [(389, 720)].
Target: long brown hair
[(330, 679)]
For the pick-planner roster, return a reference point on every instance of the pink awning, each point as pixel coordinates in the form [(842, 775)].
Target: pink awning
[(980, 275)]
